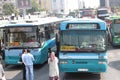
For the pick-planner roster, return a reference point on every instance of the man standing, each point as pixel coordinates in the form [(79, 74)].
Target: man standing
[(2, 72), (28, 59), (24, 51)]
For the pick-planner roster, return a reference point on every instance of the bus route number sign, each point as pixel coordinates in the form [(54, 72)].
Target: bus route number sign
[(68, 48)]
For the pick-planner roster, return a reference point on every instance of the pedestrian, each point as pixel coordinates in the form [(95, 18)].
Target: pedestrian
[(23, 65), (2, 49), (49, 51), (2, 54), (53, 67), (29, 15), (2, 72), (28, 59)]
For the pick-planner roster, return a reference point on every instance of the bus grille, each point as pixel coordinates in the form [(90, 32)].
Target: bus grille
[(81, 62)]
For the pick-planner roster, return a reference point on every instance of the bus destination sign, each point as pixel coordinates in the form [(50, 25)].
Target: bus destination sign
[(83, 26), (117, 21)]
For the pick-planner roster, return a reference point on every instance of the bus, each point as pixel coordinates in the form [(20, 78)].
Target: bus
[(102, 13), (88, 13), (114, 31), (35, 34), (82, 46)]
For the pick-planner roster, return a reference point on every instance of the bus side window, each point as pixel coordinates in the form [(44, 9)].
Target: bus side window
[(47, 33), (97, 26), (69, 26)]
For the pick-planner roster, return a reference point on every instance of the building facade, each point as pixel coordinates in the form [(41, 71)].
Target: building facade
[(52, 6), (45, 5), (114, 3), (1, 4), (102, 3), (81, 4), (109, 3), (57, 6), (64, 6), (115, 6)]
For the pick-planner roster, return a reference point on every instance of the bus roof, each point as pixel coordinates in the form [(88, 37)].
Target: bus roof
[(115, 17), (32, 22), (103, 8), (85, 20)]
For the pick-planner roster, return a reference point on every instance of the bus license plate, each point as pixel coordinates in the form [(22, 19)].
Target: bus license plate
[(83, 70)]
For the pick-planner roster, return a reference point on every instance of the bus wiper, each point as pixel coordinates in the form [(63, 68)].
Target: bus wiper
[(88, 49), (14, 47), (23, 47)]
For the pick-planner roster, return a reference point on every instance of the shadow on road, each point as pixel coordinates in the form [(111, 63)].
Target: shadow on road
[(115, 64), (19, 74), (81, 76)]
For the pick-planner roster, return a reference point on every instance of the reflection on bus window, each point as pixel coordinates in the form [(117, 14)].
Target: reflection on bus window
[(20, 36), (84, 40)]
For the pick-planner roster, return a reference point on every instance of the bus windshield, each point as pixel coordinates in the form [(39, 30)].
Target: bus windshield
[(83, 40), (116, 28), (21, 37), (86, 13), (102, 11)]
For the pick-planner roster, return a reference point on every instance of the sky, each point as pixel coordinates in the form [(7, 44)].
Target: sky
[(88, 4), (91, 3)]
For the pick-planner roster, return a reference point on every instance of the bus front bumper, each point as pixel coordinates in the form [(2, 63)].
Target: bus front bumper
[(94, 68)]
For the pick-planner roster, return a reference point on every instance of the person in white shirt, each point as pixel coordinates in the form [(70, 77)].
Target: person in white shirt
[(28, 59), (53, 67), (2, 72)]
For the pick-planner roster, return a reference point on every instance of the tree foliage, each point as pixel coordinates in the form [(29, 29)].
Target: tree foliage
[(9, 8), (35, 7)]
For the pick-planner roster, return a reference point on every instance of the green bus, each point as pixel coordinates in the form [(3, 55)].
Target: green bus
[(114, 31)]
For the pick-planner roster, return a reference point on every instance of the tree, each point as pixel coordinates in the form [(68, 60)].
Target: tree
[(9, 8), (35, 7)]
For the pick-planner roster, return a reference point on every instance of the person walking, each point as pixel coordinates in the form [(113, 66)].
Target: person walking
[(2, 72), (23, 65), (53, 67), (28, 59), (2, 49)]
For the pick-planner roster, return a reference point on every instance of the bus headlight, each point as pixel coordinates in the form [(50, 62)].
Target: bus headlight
[(102, 62), (63, 62), (116, 42), (115, 36)]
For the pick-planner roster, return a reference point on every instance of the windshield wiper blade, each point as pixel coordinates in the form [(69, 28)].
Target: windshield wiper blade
[(14, 47), (23, 47), (88, 49)]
